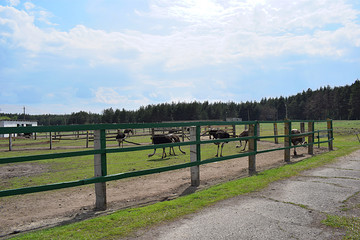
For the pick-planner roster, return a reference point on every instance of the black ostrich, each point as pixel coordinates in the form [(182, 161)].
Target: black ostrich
[(219, 134), (245, 133), (212, 132), (297, 140), (165, 138), (120, 137), (175, 138), (173, 130), (128, 131)]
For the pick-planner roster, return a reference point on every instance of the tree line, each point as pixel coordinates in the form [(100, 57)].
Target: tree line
[(338, 103)]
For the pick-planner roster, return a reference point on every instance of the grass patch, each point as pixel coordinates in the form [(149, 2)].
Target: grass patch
[(350, 224), (124, 223)]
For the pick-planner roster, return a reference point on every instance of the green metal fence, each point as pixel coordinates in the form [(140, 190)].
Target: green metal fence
[(195, 131)]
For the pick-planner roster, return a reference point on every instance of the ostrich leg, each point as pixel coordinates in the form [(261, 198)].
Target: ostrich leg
[(150, 155), (222, 146)]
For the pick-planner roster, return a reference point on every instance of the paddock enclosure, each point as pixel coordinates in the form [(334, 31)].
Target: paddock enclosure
[(57, 157)]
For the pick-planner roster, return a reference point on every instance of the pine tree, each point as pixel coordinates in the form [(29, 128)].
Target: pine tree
[(355, 101)]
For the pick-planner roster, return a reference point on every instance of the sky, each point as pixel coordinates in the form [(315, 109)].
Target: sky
[(59, 57)]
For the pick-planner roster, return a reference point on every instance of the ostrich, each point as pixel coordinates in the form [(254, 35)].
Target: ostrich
[(165, 138), (297, 140), (27, 135), (219, 134), (245, 133), (128, 131), (120, 137), (212, 133), (173, 130), (175, 138)]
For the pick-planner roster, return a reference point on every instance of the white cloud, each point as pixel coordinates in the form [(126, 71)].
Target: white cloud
[(29, 5), (212, 50), (213, 32), (117, 96), (108, 96), (23, 33), (209, 32), (13, 2)]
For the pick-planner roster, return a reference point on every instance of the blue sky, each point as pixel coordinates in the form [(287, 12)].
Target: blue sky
[(59, 57)]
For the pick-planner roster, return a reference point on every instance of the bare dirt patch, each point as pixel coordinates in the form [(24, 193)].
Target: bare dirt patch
[(26, 169), (45, 209)]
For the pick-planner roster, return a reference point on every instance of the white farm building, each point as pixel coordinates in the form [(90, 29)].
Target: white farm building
[(7, 123)]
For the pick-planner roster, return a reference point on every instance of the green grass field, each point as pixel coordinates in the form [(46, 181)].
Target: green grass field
[(77, 168), (124, 222)]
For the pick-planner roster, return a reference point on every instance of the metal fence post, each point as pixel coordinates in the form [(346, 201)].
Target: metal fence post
[(195, 156), (287, 125), (100, 169), (311, 138), (252, 148)]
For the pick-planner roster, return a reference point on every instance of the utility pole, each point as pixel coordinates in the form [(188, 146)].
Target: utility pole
[(24, 112)]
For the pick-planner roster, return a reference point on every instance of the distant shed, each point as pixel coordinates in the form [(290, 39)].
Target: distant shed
[(16, 124)]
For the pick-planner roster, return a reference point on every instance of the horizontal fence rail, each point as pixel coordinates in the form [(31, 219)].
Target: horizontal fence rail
[(193, 134)]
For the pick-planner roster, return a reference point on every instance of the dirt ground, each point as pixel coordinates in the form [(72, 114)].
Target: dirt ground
[(41, 210)]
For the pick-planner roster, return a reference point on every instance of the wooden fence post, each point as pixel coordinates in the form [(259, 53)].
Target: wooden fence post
[(10, 142), (152, 132), (302, 127), (195, 156), (87, 138), (302, 130), (183, 133), (330, 134), (50, 140), (287, 141), (311, 138), (252, 148), (276, 133), (100, 169)]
